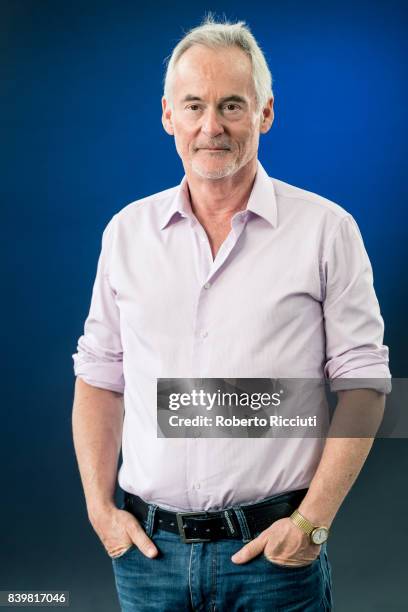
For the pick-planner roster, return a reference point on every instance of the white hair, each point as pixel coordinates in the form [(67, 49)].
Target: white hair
[(224, 34)]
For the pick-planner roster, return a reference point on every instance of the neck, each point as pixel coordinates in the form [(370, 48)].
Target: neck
[(218, 200)]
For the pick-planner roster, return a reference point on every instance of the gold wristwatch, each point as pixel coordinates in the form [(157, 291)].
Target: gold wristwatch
[(317, 535)]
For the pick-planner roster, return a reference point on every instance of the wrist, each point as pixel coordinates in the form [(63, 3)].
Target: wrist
[(316, 533), (100, 509), (316, 515)]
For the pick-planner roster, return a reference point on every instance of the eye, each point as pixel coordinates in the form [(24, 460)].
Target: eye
[(231, 107), (193, 107)]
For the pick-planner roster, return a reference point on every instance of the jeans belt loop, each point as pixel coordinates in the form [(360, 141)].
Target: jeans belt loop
[(150, 519), (246, 534)]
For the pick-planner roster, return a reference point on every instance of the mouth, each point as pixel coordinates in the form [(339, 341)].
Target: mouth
[(213, 149)]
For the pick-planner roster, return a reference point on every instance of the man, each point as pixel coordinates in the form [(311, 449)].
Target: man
[(231, 274)]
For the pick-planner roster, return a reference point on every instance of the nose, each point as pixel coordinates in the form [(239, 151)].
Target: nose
[(211, 125)]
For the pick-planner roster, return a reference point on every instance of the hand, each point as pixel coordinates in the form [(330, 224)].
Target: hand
[(118, 530), (282, 543)]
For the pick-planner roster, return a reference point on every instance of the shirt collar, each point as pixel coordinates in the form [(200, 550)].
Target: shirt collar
[(179, 207), (261, 202)]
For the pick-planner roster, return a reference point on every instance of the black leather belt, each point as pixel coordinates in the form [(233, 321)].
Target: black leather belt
[(220, 524)]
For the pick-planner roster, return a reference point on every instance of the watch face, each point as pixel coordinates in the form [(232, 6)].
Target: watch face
[(319, 535)]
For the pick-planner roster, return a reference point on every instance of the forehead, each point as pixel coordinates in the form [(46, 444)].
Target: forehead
[(216, 71)]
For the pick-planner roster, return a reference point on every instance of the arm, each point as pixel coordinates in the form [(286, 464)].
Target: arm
[(97, 417), (97, 420), (354, 349), (343, 457)]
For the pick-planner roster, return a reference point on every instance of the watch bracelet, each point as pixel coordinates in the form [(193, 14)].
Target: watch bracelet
[(302, 522)]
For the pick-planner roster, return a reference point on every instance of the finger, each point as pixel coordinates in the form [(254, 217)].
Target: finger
[(249, 551), (118, 551), (141, 539), (289, 562)]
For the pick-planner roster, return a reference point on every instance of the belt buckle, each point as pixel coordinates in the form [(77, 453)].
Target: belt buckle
[(179, 516)]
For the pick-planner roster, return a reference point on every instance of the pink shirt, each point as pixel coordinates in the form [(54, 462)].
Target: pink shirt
[(289, 294)]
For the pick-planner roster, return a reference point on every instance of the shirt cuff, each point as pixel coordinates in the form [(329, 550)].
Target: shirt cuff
[(98, 366), (360, 369)]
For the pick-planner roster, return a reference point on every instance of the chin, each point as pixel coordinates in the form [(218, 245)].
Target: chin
[(216, 173)]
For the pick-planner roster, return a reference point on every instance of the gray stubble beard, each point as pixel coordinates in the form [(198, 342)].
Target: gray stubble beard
[(227, 170)]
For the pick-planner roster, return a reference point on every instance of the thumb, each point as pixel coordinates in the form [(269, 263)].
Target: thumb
[(249, 551), (140, 538)]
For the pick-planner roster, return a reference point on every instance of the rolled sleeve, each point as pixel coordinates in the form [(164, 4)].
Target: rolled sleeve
[(99, 357), (353, 324)]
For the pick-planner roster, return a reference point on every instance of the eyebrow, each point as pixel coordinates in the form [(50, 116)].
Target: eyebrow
[(232, 98)]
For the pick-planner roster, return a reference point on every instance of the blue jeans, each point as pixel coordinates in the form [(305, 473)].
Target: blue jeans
[(200, 577)]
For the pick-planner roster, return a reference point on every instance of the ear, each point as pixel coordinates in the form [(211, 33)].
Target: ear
[(166, 116), (267, 117)]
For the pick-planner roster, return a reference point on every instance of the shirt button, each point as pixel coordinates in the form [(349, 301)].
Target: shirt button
[(204, 334), (207, 285), (197, 485)]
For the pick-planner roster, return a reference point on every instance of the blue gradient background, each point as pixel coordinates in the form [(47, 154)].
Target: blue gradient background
[(81, 137)]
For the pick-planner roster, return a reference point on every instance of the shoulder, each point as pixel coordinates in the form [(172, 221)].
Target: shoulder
[(307, 202), (306, 213), (148, 206), (146, 212)]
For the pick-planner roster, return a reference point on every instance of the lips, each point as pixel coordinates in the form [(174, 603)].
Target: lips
[(214, 148)]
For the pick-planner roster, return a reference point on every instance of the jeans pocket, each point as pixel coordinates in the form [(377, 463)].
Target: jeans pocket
[(125, 553)]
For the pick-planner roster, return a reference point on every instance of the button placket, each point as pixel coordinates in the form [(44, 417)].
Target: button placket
[(208, 269)]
